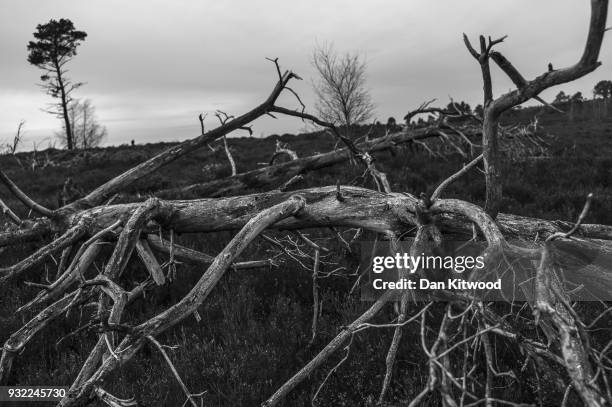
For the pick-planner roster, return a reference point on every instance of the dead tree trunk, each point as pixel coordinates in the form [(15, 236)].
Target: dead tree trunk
[(495, 107)]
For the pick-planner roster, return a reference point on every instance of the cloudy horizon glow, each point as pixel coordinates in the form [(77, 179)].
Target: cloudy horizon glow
[(151, 66)]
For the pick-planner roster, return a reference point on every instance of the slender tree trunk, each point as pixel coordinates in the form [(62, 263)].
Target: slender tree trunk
[(492, 161), (64, 101), (83, 130)]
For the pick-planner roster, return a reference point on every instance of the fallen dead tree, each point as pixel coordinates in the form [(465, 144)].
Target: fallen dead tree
[(468, 324), (274, 175), (357, 207), (330, 206)]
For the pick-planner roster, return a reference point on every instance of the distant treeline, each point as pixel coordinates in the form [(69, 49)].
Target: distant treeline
[(573, 110)]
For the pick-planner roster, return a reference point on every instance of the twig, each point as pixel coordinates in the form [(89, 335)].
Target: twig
[(583, 214), (333, 369), (173, 369), (315, 296), (5, 210), (436, 194), (26, 200)]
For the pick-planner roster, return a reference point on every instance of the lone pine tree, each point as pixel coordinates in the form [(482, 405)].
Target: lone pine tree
[(54, 46)]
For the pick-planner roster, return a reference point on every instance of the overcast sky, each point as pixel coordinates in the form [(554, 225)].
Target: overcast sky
[(151, 66)]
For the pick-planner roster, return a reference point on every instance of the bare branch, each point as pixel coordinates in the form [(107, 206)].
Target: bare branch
[(150, 262), (230, 158), (189, 304), (118, 183), (67, 239), (5, 210), (26, 200), (322, 356), (587, 63), (583, 214), (436, 194), (516, 76), (113, 401), (470, 48), (176, 375)]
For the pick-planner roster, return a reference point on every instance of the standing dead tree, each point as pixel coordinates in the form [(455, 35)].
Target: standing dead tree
[(86, 131), (526, 89), (467, 321)]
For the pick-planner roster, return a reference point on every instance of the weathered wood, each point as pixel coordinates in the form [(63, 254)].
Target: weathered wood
[(229, 155), (552, 305), (120, 300), (28, 232), (71, 236), (187, 255), (61, 285), (360, 207), (150, 262), (188, 304), (20, 338)]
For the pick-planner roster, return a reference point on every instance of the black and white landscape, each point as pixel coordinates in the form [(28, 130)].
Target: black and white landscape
[(193, 196)]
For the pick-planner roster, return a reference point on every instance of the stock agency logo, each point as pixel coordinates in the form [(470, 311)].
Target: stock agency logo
[(459, 267)]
